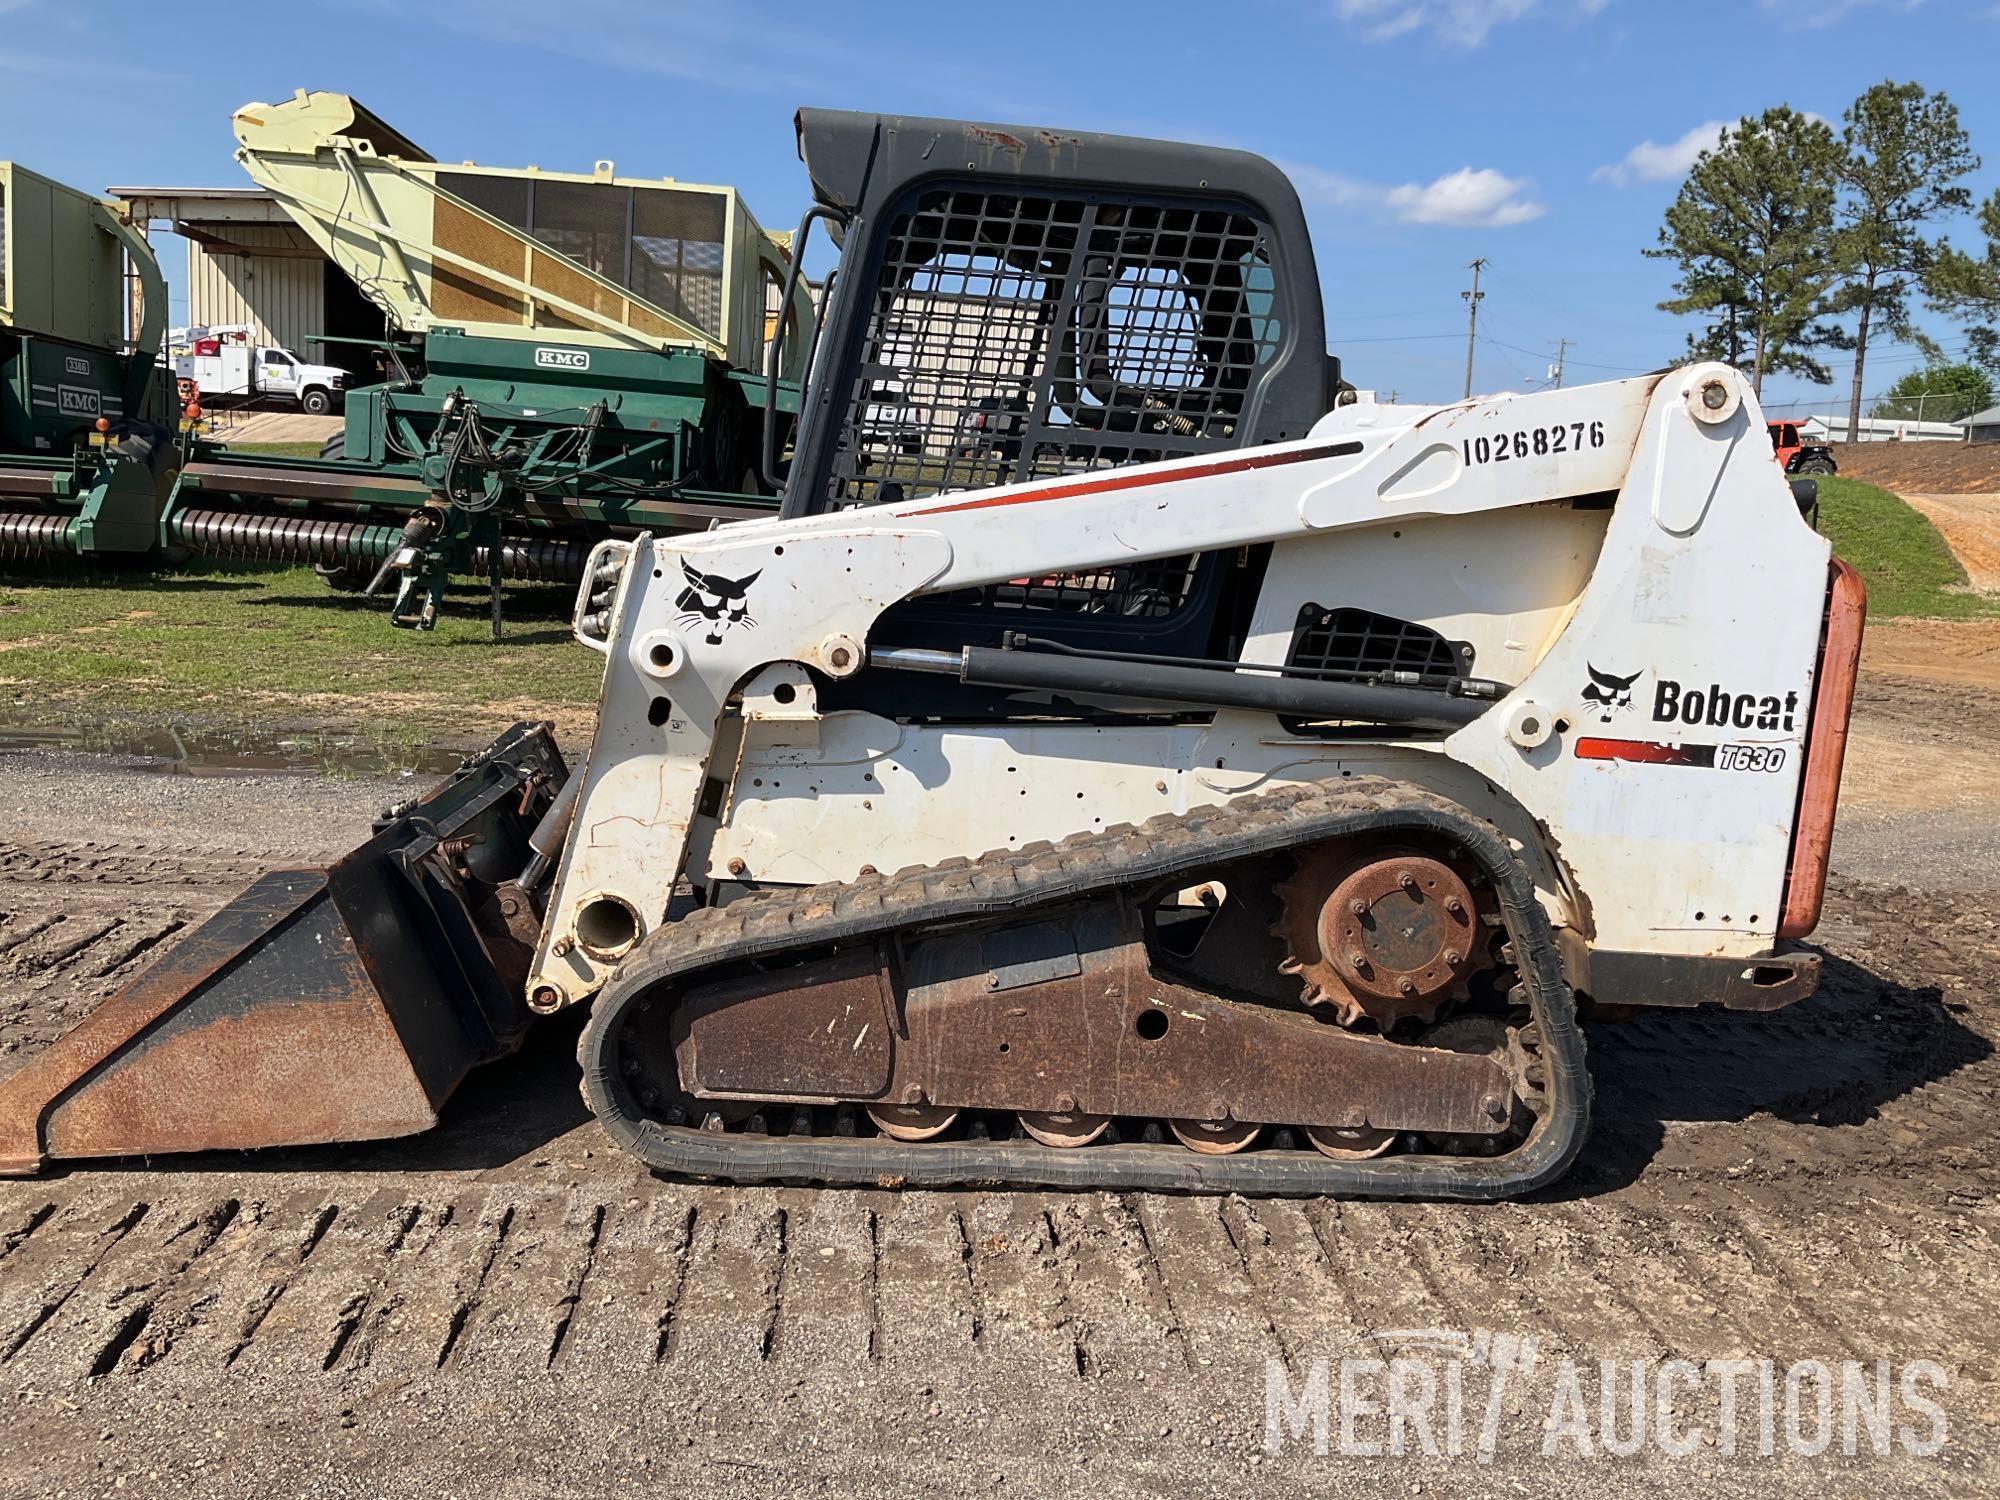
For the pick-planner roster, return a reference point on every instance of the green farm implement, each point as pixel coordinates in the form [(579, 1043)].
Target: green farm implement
[(86, 420), (581, 355)]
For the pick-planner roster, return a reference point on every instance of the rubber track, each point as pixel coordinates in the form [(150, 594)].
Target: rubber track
[(769, 924)]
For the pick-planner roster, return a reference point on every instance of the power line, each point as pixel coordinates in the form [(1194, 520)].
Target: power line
[(1398, 338), (1583, 363), (1519, 373)]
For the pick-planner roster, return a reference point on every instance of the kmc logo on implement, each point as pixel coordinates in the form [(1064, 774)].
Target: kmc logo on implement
[(563, 359), (73, 401)]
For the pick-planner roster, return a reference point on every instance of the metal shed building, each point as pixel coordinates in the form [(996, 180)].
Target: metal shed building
[(249, 263), (1983, 426)]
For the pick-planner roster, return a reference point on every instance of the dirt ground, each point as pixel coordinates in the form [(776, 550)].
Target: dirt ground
[(1923, 468), (1956, 487), (273, 427), (509, 1307), (1970, 525)]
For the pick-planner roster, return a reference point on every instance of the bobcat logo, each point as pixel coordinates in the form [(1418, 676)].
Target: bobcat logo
[(719, 602), (1609, 693)]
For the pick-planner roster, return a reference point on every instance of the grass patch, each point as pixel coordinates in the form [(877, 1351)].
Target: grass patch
[(243, 644), (275, 645), (1907, 566)]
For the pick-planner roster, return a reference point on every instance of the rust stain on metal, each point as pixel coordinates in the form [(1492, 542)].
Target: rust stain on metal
[(997, 138), (327, 1070), (820, 1034), (1383, 935), (311, 1008), (29, 1098), (1071, 1035)]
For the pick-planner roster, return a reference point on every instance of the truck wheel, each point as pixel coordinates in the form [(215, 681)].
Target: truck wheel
[(316, 403), (1817, 465)]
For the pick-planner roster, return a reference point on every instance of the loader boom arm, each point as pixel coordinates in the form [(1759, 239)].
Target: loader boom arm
[(1703, 530)]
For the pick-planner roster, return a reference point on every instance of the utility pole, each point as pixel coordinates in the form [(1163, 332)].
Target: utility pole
[(1562, 349), (1472, 321)]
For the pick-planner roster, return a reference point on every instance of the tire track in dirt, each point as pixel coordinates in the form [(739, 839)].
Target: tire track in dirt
[(1819, 1181), (507, 1286)]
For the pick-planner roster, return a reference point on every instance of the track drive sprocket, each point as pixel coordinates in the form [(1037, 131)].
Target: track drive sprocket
[(1382, 934)]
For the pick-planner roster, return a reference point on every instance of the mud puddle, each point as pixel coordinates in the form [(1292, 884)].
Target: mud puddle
[(213, 750)]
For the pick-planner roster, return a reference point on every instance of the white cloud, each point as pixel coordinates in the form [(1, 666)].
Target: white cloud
[(1649, 161), (1456, 23), (1481, 198), (1472, 197)]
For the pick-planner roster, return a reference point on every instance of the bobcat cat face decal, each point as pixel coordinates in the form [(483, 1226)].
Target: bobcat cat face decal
[(1609, 693), (714, 602)]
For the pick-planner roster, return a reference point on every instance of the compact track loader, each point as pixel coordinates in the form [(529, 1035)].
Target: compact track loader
[(1119, 765)]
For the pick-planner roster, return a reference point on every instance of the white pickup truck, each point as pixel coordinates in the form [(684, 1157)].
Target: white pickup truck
[(224, 363)]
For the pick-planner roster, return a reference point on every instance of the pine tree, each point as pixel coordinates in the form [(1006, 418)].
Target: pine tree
[(1968, 286), (1903, 153), (1752, 229)]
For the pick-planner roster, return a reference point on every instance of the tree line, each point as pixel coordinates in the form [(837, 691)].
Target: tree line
[(1790, 239)]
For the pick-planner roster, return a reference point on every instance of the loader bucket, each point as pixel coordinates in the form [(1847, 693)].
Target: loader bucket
[(337, 1004)]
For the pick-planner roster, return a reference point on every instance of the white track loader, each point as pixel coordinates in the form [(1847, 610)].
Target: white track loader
[(1162, 777)]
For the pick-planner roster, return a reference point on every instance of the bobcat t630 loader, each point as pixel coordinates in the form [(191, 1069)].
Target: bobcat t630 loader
[(1120, 764)]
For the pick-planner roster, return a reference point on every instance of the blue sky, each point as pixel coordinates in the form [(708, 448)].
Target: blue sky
[(1545, 135)]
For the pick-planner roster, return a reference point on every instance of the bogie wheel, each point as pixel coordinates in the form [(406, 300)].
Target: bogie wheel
[(1350, 1144), (1215, 1137), (912, 1122), (1066, 1130)]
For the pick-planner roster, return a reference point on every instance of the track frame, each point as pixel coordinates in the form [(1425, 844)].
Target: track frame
[(767, 925)]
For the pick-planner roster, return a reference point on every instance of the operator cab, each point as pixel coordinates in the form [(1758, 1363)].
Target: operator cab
[(1018, 304)]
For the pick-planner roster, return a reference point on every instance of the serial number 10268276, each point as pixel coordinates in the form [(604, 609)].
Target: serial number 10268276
[(1534, 442)]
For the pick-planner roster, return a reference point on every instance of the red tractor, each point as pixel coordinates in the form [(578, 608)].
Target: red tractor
[(1795, 456)]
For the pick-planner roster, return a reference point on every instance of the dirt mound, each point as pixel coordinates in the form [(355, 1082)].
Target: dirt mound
[(1970, 526), (1923, 468)]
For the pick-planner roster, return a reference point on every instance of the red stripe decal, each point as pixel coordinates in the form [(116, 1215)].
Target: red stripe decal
[(1646, 752), (1113, 482)]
